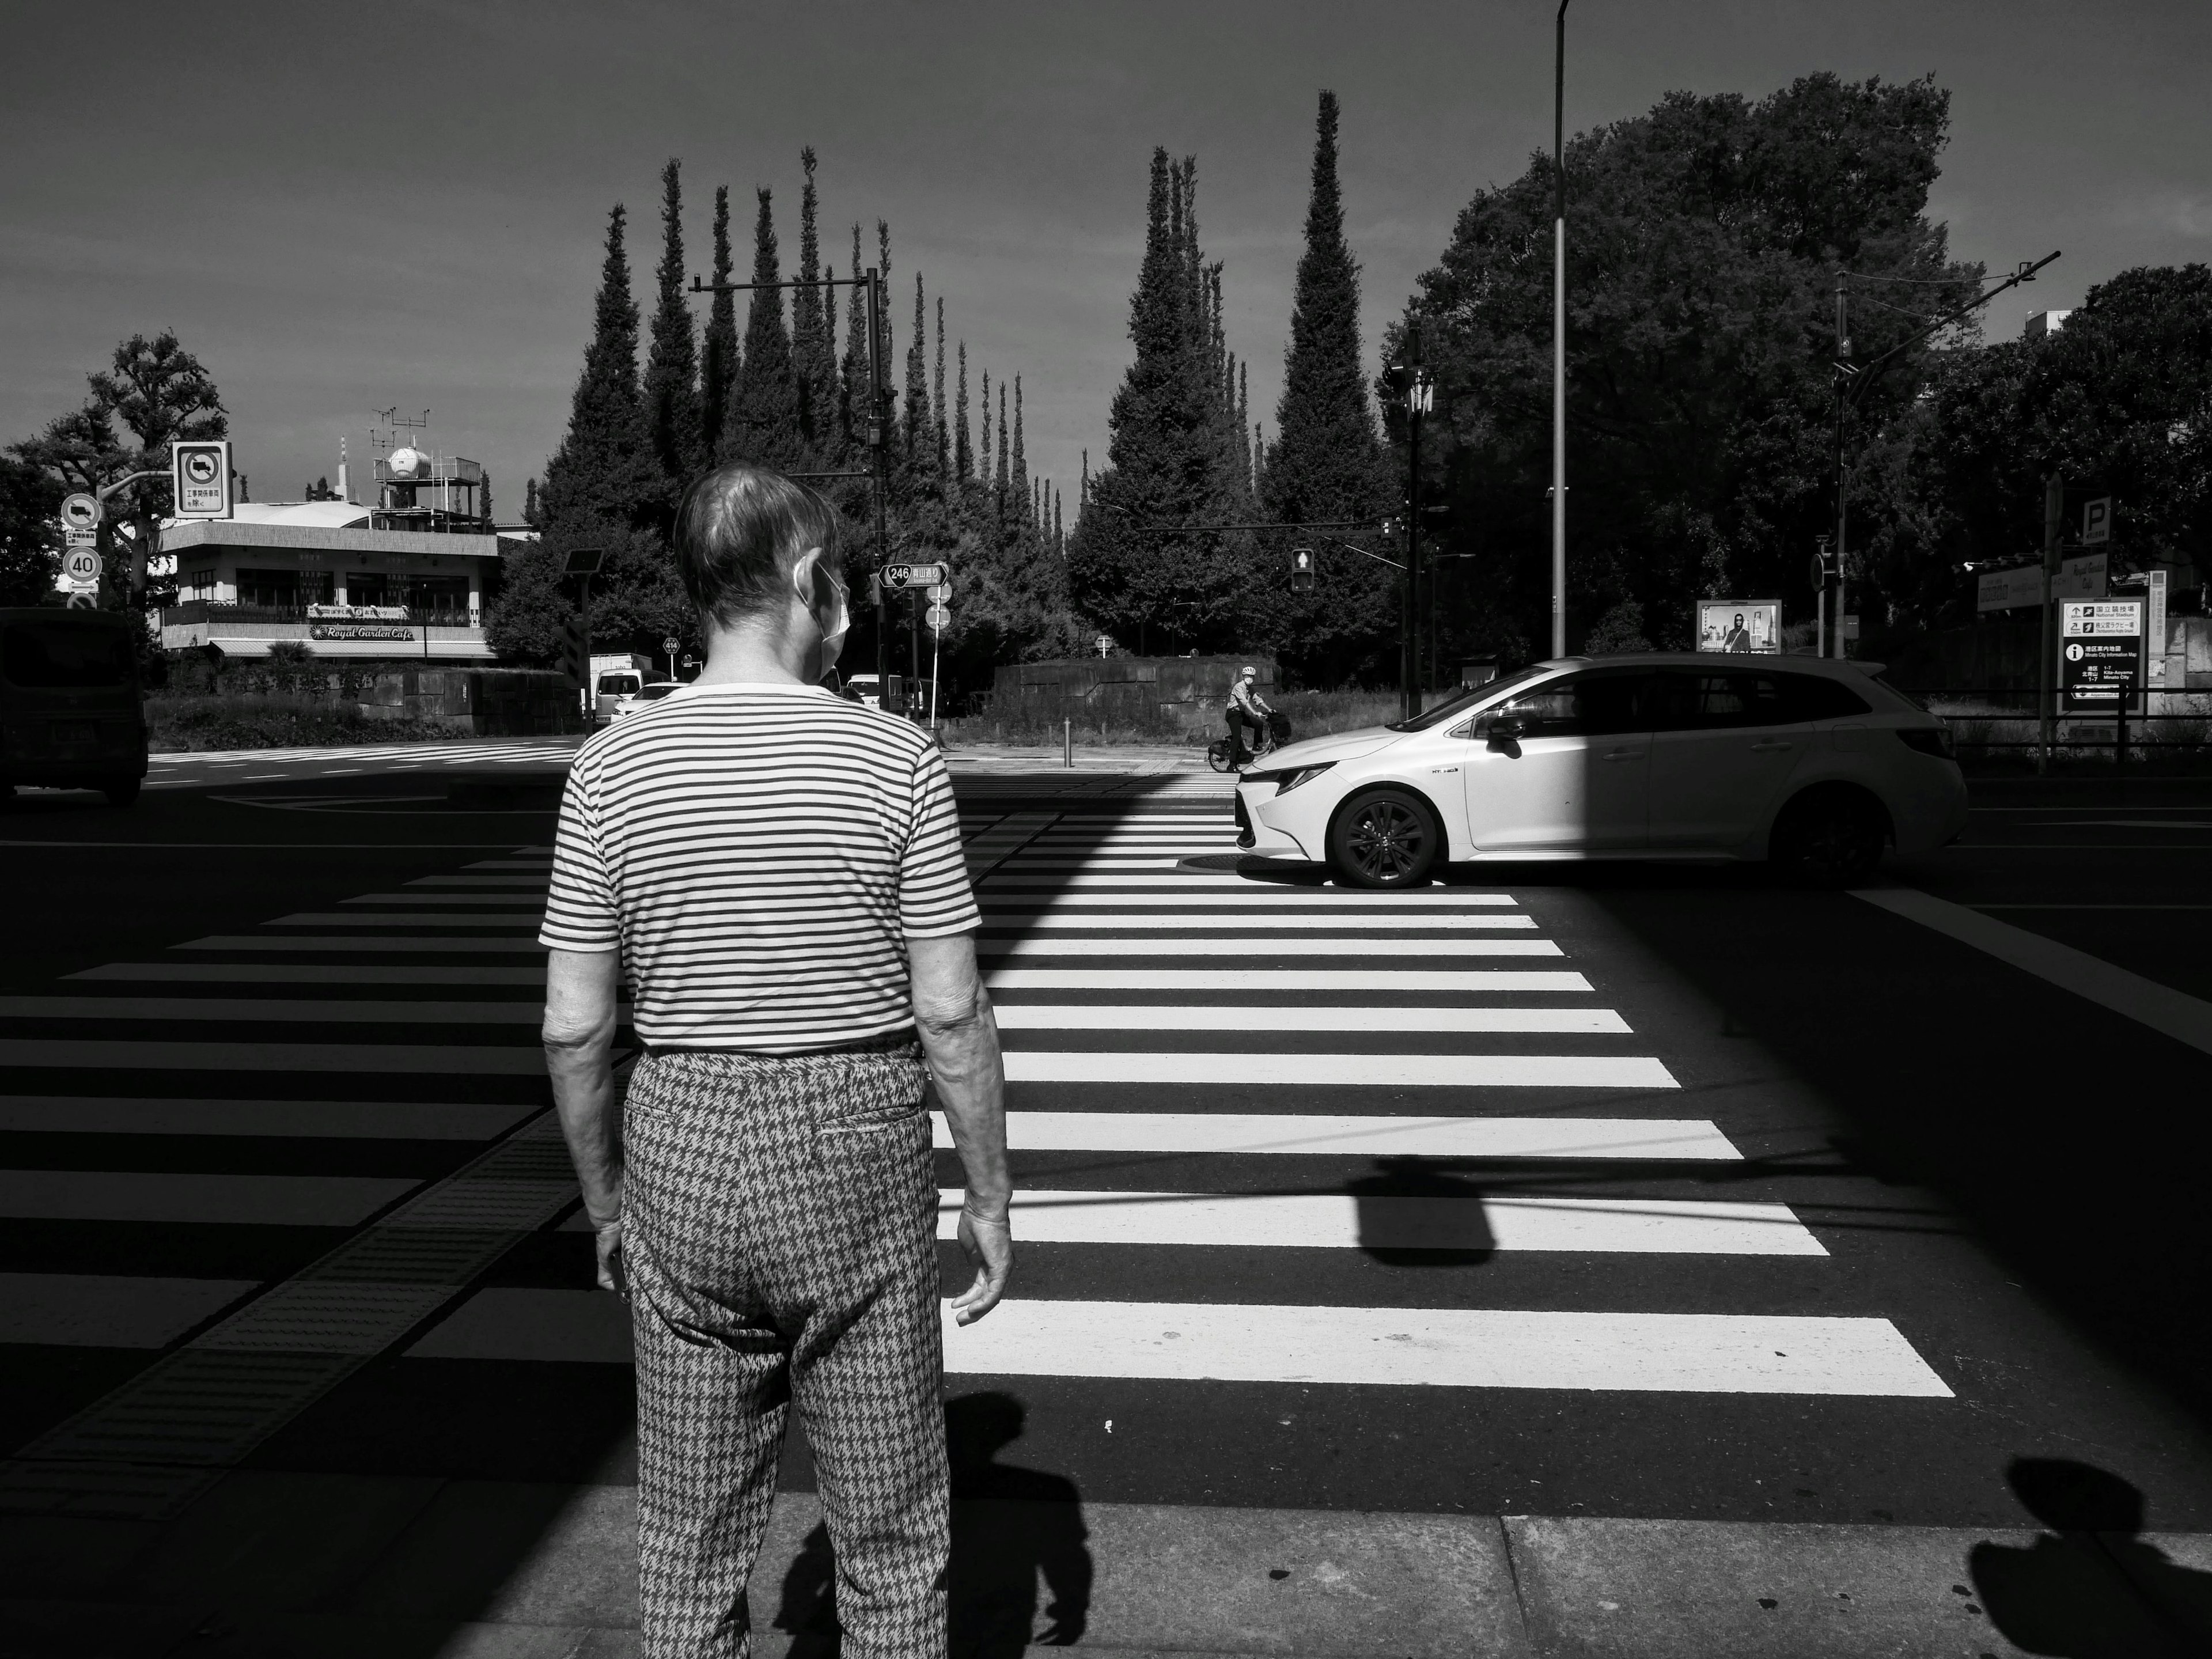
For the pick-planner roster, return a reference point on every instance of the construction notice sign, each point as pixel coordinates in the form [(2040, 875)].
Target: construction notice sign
[(2100, 655)]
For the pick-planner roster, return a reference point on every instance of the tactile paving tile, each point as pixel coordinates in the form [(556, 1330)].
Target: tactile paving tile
[(414, 1256), (492, 1206), (350, 1316), (109, 1491), (199, 1407)]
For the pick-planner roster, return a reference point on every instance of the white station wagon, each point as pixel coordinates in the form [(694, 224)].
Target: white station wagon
[(1813, 763)]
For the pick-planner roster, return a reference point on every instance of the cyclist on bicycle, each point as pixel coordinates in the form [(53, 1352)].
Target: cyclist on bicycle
[(1247, 708)]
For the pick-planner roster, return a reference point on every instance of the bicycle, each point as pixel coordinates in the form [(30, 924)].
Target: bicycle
[(1229, 754)]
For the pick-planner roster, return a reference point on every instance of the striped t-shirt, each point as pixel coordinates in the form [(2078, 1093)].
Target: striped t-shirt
[(759, 855)]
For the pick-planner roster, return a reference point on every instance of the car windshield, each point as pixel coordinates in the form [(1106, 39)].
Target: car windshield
[(618, 685), (1451, 710), (654, 693)]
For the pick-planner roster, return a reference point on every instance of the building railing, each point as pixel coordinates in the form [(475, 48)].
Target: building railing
[(209, 610)]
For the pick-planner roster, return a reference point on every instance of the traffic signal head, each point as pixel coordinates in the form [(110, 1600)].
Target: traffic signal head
[(1301, 569)]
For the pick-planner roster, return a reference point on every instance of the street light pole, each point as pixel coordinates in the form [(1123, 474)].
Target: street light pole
[(1559, 340)]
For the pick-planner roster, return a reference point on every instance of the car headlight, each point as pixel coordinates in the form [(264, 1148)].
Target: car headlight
[(1285, 782)]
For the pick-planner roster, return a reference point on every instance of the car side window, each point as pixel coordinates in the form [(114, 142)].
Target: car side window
[(1701, 701), (1585, 705), (1813, 697)]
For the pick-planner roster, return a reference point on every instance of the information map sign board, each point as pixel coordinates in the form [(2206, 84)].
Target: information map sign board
[(1752, 625), (2100, 655)]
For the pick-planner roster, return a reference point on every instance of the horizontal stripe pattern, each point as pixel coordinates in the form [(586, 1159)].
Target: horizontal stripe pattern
[(757, 852)]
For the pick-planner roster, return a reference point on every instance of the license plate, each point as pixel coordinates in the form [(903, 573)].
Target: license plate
[(75, 733)]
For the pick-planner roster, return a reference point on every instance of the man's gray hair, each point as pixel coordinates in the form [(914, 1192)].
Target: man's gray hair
[(738, 531)]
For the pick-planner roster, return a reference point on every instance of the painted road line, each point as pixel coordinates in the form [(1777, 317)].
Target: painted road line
[(266, 1200), (1111, 889), (1216, 945), (1440, 1347), (1318, 1135), (2160, 1007), (1343, 1070), (109, 1310), (309, 973), (1340, 1221), (473, 1060), (534, 899), (343, 1119), (344, 918), (1198, 1342), (514, 1011), (518, 945), (1218, 1017), (1470, 981), (999, 918), (536, 882)]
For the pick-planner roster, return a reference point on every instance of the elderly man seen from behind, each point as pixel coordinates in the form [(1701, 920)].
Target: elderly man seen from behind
[(777, 873)]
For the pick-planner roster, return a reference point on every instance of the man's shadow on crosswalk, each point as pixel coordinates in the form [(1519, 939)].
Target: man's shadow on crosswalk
[(2091, 1587), (1013, 1529), (1413, 1215)]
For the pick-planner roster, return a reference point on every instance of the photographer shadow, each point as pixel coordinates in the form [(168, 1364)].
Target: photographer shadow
[(2091, 1587), (1412, 1214), (1013, 1531)]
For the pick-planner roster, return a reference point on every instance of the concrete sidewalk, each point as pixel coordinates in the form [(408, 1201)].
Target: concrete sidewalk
[(332, 1567)]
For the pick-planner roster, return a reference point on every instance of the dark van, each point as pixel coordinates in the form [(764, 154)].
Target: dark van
[(70, 712)]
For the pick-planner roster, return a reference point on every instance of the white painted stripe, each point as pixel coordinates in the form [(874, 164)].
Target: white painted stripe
[(313, 973), (1340, 1221), (1276, 1134), (1156, 1017), (366, 919), (516, 944), (109, 1310), (1253, 920), (484, 1060), (1028, 861), (266, 1200), (536, 899), (1111, 888), (515, 1011), (1210, 981), (1688, 1353), (537, 881), (2173, 1013), (987, 945), (1344, 1071), (362, 1120)]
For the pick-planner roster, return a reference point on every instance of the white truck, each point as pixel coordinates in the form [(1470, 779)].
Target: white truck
[(617, 679)]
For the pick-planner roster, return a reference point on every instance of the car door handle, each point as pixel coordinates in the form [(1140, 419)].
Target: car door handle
[(1623, 754), (1771, 745)]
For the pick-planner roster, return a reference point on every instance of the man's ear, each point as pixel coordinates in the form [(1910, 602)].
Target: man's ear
[(802, 575)]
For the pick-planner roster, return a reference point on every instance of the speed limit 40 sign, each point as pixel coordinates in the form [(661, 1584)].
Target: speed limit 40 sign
[(82, 567)]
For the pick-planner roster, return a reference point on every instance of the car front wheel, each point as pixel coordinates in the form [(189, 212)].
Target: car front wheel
[(1384, 838)]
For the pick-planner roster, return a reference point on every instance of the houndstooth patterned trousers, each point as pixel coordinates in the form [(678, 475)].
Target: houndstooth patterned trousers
[(779, 1234)]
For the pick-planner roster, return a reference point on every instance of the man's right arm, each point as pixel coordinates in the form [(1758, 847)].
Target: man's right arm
[(959, 1034)]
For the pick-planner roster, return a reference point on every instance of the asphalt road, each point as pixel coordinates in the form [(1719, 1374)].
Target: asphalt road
[(1727, 1201)]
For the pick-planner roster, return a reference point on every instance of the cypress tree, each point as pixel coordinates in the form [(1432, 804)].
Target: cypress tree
[(814, 360), (919, 443), (1001, 482), (1168, 458), (964, 455), (671, 364), (763, 424), (1327, 462), (985, 462), (937, 398), (856, 392), (1021, 490), (603, 474), (718, 366)]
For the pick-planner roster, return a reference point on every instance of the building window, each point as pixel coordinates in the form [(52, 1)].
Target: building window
[(200, 585), (276, 588), (368, 587)]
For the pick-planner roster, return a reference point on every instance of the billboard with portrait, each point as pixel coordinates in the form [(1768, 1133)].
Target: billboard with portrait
[(1739, 625)]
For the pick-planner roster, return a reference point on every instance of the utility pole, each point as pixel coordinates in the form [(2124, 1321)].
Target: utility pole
[(1843, 495), (1559, 341), (1413, 383), (2054, 514)]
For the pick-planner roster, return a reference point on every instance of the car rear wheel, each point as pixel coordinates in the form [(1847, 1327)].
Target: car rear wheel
[(1384, 838), (1830, 840)]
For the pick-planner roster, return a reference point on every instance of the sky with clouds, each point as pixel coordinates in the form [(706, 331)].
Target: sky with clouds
[(343, 209)]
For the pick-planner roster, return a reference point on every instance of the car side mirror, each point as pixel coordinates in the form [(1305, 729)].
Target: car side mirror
[(1503, 734)]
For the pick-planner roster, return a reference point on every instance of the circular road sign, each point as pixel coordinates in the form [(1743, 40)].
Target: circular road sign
[(82, 512), (202, 466), (82, 566), (937, 617)]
